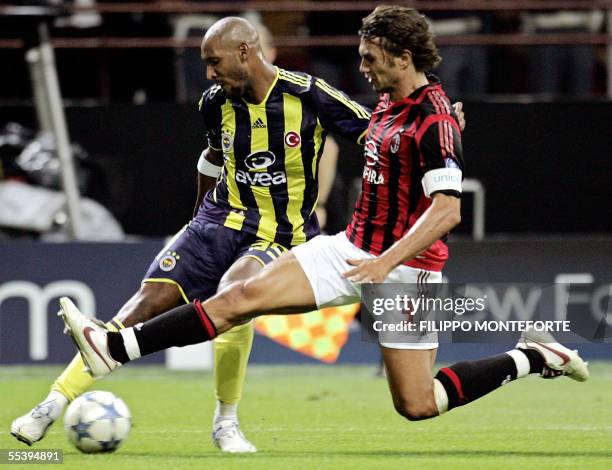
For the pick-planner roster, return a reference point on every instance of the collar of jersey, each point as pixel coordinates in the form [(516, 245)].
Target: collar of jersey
[(416, 96), (263, 102)]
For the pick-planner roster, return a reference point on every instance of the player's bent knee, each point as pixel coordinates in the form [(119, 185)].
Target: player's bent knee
[(414, 410), (246, 294), (231, 304), (253, 292)]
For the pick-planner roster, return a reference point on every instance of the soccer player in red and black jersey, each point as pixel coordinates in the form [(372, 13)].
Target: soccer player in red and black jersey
[(408, 137), (410, 201)]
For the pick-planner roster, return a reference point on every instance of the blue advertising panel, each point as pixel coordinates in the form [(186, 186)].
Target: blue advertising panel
[(100, 277)]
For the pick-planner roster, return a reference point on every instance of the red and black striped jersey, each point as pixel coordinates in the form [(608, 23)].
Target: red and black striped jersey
[(405, 141)]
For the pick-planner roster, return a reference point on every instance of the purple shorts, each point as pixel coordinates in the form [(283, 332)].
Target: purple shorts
[(198, 256)]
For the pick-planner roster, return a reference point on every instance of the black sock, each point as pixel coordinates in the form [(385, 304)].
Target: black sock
[(467, 381), (116, 348), (536, 361), (181, 326)]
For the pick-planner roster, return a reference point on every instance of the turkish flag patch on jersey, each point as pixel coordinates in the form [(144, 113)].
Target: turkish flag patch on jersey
[(292, 139)]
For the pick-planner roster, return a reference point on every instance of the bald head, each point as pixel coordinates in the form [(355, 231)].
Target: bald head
[(232, 54), (232, 31)]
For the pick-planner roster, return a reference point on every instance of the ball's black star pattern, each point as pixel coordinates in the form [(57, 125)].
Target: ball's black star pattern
[(82, 430)]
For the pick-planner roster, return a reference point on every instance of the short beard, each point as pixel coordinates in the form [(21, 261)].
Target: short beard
[(241, 77)]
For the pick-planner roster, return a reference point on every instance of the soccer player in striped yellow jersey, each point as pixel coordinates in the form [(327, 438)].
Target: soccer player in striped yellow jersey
[(257, 195), (271, 149)]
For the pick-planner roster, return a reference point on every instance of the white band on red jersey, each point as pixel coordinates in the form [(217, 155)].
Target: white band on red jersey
[(207, 168), (441, 179)]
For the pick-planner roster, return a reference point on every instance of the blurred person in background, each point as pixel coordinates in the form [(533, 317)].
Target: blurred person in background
[(562, 69), (338, 65), (464, 69)]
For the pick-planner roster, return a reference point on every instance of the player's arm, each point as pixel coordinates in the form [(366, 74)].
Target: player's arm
[(338, 113), (441, 217), (439, 145), (211, 160), (210, 165)]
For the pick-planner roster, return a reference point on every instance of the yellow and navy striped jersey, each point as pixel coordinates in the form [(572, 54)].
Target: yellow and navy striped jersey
[(268, 186)]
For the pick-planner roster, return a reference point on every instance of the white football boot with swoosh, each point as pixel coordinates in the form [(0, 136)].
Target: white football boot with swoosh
[(558, 360), (228, 437), (90, 338), (32, 426)]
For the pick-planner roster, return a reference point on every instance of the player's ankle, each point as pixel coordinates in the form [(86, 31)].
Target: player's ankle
[(57, 402), (226, 411)]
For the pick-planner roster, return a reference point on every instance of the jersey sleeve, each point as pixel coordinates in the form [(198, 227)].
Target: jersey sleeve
[(439, 143), (210, 109), (338, 113)]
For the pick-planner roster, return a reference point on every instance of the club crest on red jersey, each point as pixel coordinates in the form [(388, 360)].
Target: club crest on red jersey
[(395, 143)]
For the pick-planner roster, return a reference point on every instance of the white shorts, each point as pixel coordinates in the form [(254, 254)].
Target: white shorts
[(323, 260)]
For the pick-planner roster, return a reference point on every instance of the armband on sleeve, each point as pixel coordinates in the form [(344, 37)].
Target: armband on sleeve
[(442, 179), (207, 168)]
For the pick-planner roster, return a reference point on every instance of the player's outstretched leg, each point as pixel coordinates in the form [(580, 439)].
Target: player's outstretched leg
[(103, 351), (535, 353), (281, 287), (150, 300), (416, 396)]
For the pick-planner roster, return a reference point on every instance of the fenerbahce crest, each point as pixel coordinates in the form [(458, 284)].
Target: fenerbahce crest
[(168, 262), (226, 142)]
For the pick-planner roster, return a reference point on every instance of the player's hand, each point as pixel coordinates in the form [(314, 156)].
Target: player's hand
[(458, 108), (367, 270)]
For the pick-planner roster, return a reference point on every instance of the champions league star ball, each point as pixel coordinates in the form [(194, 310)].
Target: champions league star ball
[(97, 422)]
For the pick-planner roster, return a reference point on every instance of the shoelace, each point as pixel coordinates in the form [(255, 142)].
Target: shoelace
[(42, 411), (229, 430)]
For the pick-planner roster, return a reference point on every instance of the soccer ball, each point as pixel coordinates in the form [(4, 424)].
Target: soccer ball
[(97, 422)]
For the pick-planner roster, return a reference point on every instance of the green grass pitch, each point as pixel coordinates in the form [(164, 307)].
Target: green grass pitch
[(334, 417)]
